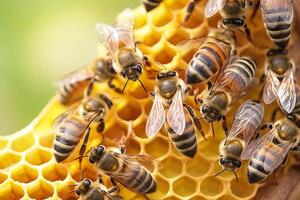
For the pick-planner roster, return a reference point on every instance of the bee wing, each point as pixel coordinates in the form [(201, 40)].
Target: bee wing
[(244, 120), (277, 153), (156, 118), (175, 115), (214, 6), (287, 92), (271, 86), (252, 146), (143, 159), (60, 118), (268, 6)]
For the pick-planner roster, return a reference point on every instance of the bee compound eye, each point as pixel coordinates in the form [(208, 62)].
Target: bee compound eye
[(77, 192), (87, 182), (171, 74)]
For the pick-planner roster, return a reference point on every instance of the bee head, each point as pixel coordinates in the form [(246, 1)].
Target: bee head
[(166, 74), (96, 154), (83, 187), (210, 114), (229, 163), (132, 72)]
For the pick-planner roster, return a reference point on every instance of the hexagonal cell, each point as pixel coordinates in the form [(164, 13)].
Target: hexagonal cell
[(46, 140), (89, 172), (165, 55), (210, 148), (132, 147), (3, 143), (198, 166), (139, 130), (139, 92), (178, 36), (197, 198), (55, 172), (171, 167), (194, 21), (64, 190), (11, 190), (116, 132), (207, 189), (238, 188), (7, 159), (180, 186), (140, 21), (158, 147), (130, 110), (3, 177), (24, 174), (162, 16), (40, 190), (171, 198), (38, 156), (162, 188), (146, 40), (23, 142), (227, 197)]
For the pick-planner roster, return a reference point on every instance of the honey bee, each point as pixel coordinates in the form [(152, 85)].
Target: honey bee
[(71, 125), (280, 80), (269, 152), (278, 16), (120, 43), (180, 117), (88, 190), (211, 56), (294, 116), (71, 88), (229, 86), (246, 122), (128, 170), (151, 4)]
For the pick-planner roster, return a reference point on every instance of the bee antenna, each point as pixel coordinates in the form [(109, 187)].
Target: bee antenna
[(213, 129), (81, 157), (236, 177), (217, 174), (125, 86), (81, 176), (142, 85)]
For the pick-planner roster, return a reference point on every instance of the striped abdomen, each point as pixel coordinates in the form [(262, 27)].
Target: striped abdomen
[(278, 25), (72, 88), (67, 137), (187, 142), (239, 74), (132, 176), (206, 62), (151, 4), (256, 168)]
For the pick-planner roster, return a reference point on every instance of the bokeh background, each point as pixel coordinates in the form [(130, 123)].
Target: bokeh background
[(40, 41)]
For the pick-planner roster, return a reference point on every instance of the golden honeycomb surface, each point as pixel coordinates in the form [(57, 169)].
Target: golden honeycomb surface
[(28, 169)]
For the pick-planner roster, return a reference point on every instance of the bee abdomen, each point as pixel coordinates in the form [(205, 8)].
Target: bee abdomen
[(205, 63), (67, 137), (278, 24), (151, 4), (187, 142)]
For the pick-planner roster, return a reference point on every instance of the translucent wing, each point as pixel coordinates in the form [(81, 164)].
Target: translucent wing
[(60, 118), (277, 153), (214, 6), (271, 87), (143, 159), (247, 120), (156, 118), (175, 115), (287, 92), (126, 19), (269, 9), (103, 31), (250, 149)]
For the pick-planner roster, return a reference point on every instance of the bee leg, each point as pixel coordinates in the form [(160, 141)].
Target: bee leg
[(114, 87), (248, 33), (89, 89), (255, 9), (146, 60), (190, 9), (113, 189), (274, 113), (196, 121), (83, 147), (225, 126), (100, 180), (101, 126)]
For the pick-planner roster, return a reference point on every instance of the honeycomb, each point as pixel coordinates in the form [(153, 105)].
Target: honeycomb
[(28, 169)]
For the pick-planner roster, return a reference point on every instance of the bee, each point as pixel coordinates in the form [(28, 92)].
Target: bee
[(120, 43), (211, 56), (246, 122), (294, 116), (151, 4), (269, 152), (280, 80), (71, 88), (88, 190), (71, 125), (229, 86), (180, 117), (128, 170), (278, 17)]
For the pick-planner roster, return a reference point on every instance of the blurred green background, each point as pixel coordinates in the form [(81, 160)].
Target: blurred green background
[(40, 41)]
